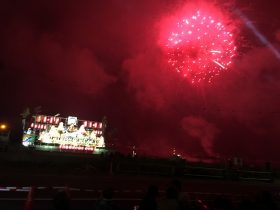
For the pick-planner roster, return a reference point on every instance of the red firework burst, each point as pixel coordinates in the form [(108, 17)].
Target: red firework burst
[(200, 47)]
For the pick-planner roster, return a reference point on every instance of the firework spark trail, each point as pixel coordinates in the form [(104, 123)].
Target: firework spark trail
[(215, 51), (200, 46), (216, 62)]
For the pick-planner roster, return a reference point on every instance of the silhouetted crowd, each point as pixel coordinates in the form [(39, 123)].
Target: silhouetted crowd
[(175, 199)]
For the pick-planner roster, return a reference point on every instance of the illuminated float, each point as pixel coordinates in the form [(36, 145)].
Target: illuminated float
[(64, 134)]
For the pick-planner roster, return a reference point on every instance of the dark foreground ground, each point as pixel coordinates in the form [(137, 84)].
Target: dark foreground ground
[(129, 190), (84, 177)]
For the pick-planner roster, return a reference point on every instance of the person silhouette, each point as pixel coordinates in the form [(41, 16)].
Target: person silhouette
[(61, 201), (149, 201), (106, 202)]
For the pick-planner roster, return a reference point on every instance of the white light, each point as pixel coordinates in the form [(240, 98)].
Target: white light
[(215, 51), (216, 62)]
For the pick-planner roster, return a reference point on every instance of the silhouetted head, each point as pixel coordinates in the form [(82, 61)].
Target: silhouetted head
[(108, 193), (171, 193), (222, 203), (246, 204), (61, 201), (152, 190), (177, 184)]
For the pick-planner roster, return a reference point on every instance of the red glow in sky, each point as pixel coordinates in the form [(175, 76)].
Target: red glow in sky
[(200, 46), (110, 58)]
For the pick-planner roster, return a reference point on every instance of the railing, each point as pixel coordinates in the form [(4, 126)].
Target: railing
[(192, 171), (144, 168)]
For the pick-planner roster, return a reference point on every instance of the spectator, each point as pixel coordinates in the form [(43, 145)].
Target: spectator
[(222, 203), (265, 201), (106, 202), (61, 201), (149, 201), (170, 202), (183, 198), (247, 204)]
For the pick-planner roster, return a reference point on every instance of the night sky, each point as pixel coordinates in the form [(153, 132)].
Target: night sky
[(102, 58)]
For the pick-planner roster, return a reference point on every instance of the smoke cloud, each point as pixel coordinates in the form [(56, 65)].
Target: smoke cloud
[(201, 130), (105, 58)]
